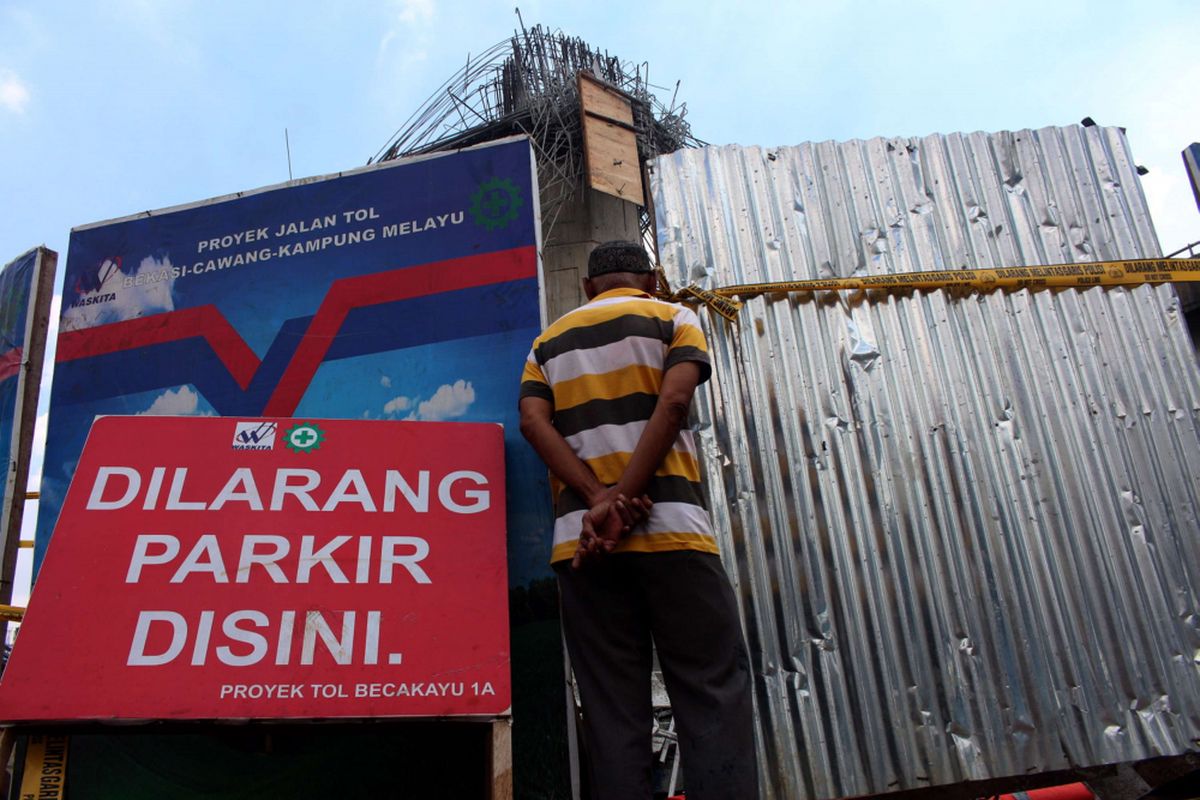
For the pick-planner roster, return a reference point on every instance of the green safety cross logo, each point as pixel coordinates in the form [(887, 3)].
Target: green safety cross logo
[(496, 203), (304, 437)]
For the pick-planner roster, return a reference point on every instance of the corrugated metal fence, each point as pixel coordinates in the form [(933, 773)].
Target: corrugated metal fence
[(964, 529)]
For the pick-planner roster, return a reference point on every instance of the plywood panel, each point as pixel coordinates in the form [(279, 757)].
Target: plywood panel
[(609, 141), (603, 101)]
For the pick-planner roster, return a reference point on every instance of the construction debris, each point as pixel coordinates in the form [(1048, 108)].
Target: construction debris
[(528, 85)]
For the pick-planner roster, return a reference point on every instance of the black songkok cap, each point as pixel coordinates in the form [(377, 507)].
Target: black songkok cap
[(618, 257)]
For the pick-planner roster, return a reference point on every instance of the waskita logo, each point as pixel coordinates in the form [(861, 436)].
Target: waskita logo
[(90, 281), (94, 299), (255, 435)]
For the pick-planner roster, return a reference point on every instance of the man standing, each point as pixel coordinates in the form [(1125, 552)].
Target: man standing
[(604, 400)]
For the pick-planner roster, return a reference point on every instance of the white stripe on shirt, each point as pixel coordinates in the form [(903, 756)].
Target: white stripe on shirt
[(605, 439), (606, 358)]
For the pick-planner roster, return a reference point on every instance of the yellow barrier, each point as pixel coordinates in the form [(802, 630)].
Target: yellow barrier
[(1096, 273), (45, 775)]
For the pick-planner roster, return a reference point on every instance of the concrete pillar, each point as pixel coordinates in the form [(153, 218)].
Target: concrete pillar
[(586, 220)]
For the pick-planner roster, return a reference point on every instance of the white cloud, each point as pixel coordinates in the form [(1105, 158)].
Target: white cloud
[(1137, 86), (23, 578), (413, 12), (166, 27), (448, 401), (385, 381), (1172, 207), (410, 23), (14, 94), (397, 405), (178, 402), (93, 307), (38, 454)]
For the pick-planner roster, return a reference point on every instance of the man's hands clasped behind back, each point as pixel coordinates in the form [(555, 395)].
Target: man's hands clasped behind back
[(606, 523)]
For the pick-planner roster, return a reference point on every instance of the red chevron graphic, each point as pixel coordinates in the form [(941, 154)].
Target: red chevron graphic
[(204, 321), (344, 295), (387, 287)]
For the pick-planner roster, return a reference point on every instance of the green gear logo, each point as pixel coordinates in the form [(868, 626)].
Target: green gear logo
[(496, 203), (304, 437)]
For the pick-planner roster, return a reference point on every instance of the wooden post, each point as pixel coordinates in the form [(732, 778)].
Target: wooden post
[(500, 777), (28, 384)]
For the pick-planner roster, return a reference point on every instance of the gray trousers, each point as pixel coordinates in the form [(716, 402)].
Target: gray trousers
[(682, 599)]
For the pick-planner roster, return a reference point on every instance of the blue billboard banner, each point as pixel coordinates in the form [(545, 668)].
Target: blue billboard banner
[(16, 293), (407, 290), (403, 291)]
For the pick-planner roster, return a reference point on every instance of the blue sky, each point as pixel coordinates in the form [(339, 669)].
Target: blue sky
[(111, 108)]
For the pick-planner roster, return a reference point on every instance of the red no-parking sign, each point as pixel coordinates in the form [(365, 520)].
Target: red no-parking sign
[(208, 568)]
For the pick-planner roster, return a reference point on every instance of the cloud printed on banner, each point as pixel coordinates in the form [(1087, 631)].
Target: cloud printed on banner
[(112, 301), (181, 402), (14, 94), (385, 381), (397, 405), (448, 402)]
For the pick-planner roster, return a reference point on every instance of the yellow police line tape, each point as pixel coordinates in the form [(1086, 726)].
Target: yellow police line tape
[(1097, 273)]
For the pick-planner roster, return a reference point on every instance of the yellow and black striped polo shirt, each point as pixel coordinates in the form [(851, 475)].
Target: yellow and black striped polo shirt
[(601, 366)]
